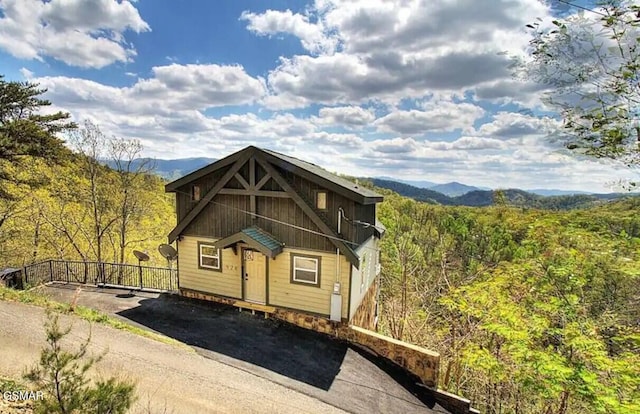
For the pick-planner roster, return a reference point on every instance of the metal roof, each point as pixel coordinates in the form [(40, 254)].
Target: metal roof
[(256, 238), (322, 173), (311, 171)]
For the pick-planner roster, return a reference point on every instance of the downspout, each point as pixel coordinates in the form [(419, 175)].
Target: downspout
[(337, 248), (336, 296)]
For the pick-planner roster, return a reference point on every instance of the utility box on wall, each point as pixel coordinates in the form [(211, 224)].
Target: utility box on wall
[(336, 307)]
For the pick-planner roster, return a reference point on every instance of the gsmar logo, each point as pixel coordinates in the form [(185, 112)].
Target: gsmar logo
[(22, 395)]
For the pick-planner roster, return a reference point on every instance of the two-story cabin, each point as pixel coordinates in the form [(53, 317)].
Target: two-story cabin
[(260, 227)]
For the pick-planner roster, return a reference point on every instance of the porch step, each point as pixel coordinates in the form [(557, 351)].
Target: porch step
[(267, 310)]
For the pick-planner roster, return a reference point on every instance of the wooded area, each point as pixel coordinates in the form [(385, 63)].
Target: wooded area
[(532, 311), (60, 201)]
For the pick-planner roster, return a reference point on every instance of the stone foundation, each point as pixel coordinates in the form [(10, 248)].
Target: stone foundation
[(314, 323), (365, 315), (188, 293)]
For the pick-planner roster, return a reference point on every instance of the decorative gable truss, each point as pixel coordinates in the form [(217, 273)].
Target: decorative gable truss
[(250, 159)]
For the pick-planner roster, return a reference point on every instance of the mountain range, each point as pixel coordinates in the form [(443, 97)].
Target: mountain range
[(453, 193), (514, 197), (169, 169), (454, 189)]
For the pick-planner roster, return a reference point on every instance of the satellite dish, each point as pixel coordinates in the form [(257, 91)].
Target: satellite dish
[(142, 256), (168, 252)]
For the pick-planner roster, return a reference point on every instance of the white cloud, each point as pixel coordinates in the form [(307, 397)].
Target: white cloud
[(437, 117), (391, 50), (273, 22), (507, 125), (26, 73), (173, 88), (468, 143), (394, 146), (76, 32), (348, 116)]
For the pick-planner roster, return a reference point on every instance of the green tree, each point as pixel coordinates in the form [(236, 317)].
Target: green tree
[(25, 132), (63, 375), (589, 61), (97, 191), (133, 175)]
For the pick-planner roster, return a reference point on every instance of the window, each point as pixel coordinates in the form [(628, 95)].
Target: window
[(321, 200), (209, 257), (305, 270), (195, 193)]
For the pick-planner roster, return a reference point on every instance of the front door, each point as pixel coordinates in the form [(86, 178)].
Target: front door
[(255, 276)]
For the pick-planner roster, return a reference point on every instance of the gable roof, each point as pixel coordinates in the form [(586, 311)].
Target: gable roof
[(256, 238), (271, 162), (322, 176), (305, 169)]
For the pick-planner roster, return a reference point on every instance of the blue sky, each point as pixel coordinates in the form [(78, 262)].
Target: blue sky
[(417, 90)]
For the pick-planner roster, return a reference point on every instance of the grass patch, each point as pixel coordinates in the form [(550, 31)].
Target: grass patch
[(10, 384), (38, 299)]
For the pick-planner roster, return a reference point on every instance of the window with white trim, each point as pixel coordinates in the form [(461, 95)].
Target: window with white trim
[(305, 270), (209, 257)]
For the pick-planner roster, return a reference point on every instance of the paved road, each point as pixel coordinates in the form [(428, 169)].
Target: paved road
[(299, 360), (183, 380)]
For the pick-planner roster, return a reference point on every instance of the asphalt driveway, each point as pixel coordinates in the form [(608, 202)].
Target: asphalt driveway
[(304, 361)]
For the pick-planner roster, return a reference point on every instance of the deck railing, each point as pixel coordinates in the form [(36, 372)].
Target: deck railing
[(96, 273)]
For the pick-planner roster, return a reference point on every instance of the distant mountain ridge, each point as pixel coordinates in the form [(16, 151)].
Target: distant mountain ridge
[(515, 197), (453, 193), (455, 189), (171, 169)]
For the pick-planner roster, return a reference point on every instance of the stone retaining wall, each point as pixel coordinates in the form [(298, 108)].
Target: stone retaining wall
[(421, 362)]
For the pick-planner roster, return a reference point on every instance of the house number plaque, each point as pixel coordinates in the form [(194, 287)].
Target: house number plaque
[(248, 255)]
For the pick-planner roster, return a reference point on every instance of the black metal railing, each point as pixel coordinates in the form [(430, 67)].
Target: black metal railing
[(97, 273)]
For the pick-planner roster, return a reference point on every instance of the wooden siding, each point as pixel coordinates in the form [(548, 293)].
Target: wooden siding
[(183, 194), (368, 271), (308, 189), (227, 282), (218, 221), (307, 298), (223, 217)]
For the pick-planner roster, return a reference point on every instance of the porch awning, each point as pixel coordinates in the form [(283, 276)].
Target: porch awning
[(256, 238)]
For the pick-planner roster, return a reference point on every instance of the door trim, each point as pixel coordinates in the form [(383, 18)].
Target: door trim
[(266, 276)]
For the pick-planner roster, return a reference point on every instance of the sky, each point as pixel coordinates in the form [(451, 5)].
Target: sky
[(414, 90)]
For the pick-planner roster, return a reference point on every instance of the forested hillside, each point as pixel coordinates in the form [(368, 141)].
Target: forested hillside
[(532, 311), (82, 210), (58, 200)]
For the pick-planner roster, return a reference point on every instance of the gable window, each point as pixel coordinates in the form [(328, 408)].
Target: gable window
[(305, 269), (195, 193), (321, 200), (209, 257)]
